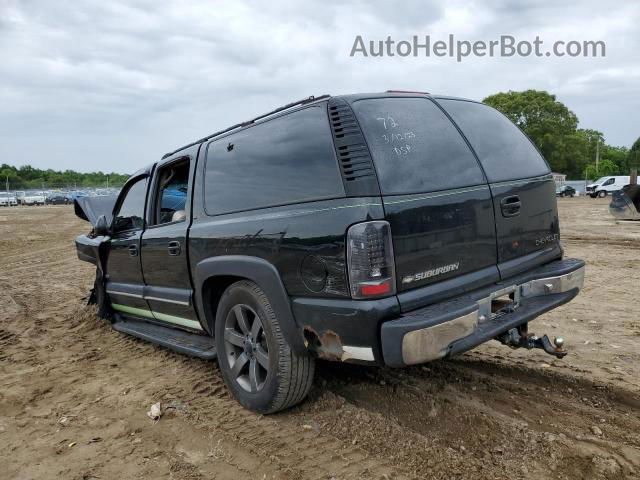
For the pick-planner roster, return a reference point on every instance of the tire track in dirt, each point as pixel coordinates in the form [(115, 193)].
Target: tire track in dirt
[(279, 440), (518, 418)]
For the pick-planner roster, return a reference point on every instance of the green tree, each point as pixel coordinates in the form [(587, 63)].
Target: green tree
[(30, 177), (633, 158), (619, 156), (605, 167)]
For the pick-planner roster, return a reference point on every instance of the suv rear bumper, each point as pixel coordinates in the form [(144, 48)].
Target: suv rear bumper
[(376, 330), (461, 324)]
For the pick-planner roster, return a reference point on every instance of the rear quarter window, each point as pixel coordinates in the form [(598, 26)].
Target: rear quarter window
[(415, 147), (504, 151), (288, 159)]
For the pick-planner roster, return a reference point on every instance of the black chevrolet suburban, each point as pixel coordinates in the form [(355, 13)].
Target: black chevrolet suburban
[(385, 229)]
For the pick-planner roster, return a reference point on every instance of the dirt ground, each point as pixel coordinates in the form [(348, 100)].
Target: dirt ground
[(74, 393)]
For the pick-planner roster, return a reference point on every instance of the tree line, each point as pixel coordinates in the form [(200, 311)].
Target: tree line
[(553, 128), (28, 177)]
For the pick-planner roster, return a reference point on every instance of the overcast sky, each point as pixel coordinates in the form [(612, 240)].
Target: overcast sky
[(112, 85)]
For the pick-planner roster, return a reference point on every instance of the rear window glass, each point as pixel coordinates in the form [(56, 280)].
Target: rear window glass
[(286, 160), (415, 147), (504, 151)]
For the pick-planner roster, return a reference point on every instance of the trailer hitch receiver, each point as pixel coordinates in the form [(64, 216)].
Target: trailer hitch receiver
[(520, 338)]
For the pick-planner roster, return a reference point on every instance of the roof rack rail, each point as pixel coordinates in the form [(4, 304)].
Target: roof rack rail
[(407, 91), (304, 101)]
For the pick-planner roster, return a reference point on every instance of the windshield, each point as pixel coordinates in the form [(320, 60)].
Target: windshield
[(601, 180)]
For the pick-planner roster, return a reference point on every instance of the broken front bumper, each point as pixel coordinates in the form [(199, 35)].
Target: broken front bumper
[(460, 324)]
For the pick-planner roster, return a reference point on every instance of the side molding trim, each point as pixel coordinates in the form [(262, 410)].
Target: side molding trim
[(141, 312)]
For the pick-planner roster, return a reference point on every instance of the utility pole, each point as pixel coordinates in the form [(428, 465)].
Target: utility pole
[(597, 155), (7, 185)]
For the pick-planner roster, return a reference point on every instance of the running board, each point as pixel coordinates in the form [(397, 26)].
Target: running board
[(196, 345)]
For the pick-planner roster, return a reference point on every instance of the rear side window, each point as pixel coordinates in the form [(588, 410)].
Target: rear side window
[(504, 151), (289, 159), (415, 147)]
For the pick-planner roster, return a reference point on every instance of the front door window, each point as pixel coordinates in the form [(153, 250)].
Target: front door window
[(130, 215)]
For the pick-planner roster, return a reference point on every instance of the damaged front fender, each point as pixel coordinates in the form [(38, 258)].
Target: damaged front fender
[(92, 248)]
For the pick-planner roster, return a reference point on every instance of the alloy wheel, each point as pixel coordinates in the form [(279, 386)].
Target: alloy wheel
[(246, 348)]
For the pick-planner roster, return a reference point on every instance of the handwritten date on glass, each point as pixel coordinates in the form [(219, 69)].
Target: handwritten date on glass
[(398, 137)]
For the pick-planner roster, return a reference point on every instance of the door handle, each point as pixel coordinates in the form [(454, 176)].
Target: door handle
[(510, 206), (174, 248), (133, 250)]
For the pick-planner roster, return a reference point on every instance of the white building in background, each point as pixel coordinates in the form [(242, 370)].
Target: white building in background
[(559, 178)]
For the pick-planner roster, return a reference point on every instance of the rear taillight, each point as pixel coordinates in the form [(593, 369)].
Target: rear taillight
[(370, 260)]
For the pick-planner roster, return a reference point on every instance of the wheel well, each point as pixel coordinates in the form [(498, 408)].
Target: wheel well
[(212, 291)]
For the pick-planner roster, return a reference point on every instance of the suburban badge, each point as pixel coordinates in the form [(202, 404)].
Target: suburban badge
[(431, 273)]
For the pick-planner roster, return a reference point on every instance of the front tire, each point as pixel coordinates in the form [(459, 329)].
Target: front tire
[(257, 364), (602, 193)]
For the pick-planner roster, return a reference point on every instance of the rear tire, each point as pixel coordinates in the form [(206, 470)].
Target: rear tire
[(257, 364)]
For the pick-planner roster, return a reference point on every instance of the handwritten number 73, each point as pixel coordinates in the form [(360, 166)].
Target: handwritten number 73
[(388, 120)]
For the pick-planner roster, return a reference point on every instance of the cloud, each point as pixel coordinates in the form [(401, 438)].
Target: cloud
[(113, 85)]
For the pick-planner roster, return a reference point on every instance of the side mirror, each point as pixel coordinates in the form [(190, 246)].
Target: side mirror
[(101, 227)]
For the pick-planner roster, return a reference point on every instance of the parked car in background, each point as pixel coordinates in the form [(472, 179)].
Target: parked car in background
[(57, 198), (417, 227), (8, 199), (565, 191), (31, 198), (75, 194), (606, 185)]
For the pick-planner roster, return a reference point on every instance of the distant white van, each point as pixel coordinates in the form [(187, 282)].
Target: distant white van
[(606, 185)]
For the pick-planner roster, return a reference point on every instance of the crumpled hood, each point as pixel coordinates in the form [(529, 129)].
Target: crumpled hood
[(90, 208)]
